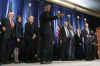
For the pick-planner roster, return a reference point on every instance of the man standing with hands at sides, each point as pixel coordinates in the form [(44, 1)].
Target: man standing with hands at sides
[(78, 45), (64, 41), (30, 36), (8, 26), (1, 33), (46, 34), (86, 33), (71, 46)]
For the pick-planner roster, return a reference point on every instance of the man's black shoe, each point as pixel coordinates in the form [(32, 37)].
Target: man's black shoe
[(43, 62), (5, 62)]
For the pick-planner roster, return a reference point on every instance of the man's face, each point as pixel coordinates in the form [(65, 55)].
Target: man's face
[(65, 24), (11, 15), (31, 19), (48, 8), (19, 19), (78, 31), (86, 25), (71, 27)]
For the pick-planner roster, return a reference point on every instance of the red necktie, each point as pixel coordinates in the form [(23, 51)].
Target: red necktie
[(12, 24), (58, 33)]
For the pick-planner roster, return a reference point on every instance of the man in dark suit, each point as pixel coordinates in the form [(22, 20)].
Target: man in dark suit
[(8, 26), (71, 46), (86, 34), (94, 43), (46, 34), (30, 36), (1, 33), (64, 41), (78, 45)]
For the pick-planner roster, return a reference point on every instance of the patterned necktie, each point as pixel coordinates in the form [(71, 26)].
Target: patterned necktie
[(12, 24)]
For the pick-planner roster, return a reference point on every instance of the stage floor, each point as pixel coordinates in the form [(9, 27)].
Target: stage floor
[(60, 63)]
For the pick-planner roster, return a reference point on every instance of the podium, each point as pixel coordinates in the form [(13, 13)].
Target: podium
[(98, 38)]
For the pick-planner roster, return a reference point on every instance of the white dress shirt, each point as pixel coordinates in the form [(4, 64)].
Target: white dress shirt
[(67, 31)]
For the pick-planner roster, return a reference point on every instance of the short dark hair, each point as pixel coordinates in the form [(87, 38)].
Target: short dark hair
[(18, 18)]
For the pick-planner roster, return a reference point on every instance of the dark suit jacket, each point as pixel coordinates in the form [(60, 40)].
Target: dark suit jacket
[(63, 35), (78, 40), (19, 30), (1, 28), (94, 40), (7, 33), (84, 34), (30, 30), (45, 19), (72, 39)]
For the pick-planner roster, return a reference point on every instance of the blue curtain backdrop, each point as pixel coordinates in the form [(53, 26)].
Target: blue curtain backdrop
[(20, 7)]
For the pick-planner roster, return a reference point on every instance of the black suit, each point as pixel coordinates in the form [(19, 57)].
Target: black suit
[(64, 46), (94, 43), (1, 33), (71, 46), (7, 33), (79, 47), (94, 46), (87, 44), (46, 35), (6, 42), (29, 47)]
